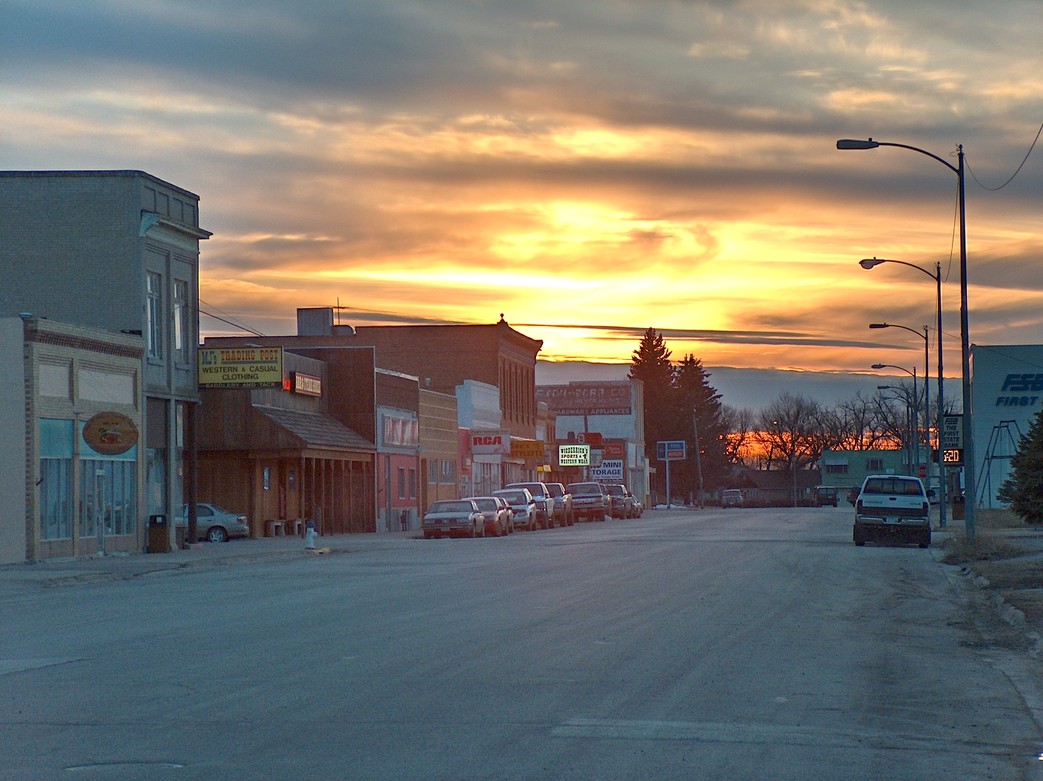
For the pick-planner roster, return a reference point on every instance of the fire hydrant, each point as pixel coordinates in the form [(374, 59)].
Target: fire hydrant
[(309, 535)]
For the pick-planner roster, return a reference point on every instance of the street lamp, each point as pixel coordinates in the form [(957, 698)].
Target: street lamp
[(870, 263), (965, 349), (926, 387), (914, 424)]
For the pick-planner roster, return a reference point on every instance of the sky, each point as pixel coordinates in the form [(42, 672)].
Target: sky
[(586, 168)]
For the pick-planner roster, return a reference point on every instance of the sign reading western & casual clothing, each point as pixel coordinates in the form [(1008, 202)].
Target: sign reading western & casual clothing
[(240, 367)]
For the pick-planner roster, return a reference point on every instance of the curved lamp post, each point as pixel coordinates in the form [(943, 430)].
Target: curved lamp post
[(913, 420), (926, 393), (871, 263), (965, 351)]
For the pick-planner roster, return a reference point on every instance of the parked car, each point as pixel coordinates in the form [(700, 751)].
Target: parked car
[(497, 514), (563, 513), (826, 496), (589, 501), (731, 497), (622, 501), (893, 507), (453, 518), (215, 524), (639, 506), (544, 501), (523, 507)]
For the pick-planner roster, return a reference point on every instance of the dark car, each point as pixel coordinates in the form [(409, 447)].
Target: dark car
[(826, 496), (622, 501), (589, 501)]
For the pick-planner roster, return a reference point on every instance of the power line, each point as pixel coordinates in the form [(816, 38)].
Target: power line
[(240, 326), (1013, 175)]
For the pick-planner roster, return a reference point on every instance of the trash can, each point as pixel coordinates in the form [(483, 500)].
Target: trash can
[(158, 534)]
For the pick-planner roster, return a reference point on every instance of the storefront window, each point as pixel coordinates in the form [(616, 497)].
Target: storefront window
[(107, 497), (55, 479), (108, 492)]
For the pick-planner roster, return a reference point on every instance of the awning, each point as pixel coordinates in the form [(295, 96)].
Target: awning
[(315, 429)]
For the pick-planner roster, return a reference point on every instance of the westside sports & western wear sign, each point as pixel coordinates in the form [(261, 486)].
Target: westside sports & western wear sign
[(573, 455)]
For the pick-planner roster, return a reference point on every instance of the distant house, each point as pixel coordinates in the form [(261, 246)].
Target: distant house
[(774, 488), (846, 469)]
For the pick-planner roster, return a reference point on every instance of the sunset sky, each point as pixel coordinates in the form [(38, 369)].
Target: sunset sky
[(588, 168)]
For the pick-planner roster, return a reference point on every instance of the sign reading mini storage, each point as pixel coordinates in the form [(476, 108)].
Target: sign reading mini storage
[(110, 433), (241, 367)]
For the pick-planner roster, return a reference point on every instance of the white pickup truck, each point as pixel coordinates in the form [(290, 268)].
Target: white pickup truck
[(892, 507)]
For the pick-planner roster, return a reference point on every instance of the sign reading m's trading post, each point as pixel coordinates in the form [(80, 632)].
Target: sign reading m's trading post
[(241, 367)]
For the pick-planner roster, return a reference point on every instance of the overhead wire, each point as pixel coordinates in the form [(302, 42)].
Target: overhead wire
[(1017, 170)]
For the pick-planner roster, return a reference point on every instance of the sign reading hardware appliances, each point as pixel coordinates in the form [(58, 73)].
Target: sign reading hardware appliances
[(587, 398), (241, 367)]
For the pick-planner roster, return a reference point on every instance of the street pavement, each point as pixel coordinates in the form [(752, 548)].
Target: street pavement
[(123, 566), (687, 644)]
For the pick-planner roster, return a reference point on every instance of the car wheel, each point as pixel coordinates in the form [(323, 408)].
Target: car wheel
[(925, 539), (216, 534), (859, 536)]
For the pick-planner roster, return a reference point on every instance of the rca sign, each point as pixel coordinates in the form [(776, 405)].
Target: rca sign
[(491, 442)]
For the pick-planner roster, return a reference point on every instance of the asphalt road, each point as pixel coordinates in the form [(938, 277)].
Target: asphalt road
[(739, 644)]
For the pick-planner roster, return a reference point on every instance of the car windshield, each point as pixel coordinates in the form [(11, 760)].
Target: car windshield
[(485, 504), (892, 485), (584, 489), (514, 497), (451, 507)]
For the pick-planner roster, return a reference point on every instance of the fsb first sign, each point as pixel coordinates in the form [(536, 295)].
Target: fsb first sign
[(670, 450)]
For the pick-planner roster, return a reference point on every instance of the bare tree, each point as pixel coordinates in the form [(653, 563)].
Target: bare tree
[(861, 423), (790, 429), (739, 423)]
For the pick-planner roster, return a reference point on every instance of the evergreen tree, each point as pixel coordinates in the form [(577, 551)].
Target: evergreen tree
[(698, 411), (1024, 488), (651, 364)]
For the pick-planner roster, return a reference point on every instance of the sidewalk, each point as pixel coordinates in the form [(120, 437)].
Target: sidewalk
[(123, 566)]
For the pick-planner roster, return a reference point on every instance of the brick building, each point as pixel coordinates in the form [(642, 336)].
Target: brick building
[(116, 251)]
